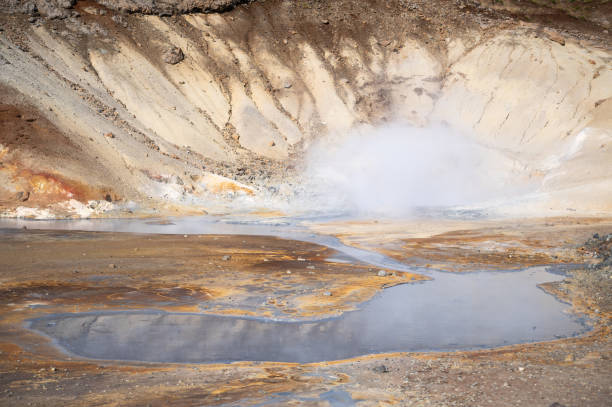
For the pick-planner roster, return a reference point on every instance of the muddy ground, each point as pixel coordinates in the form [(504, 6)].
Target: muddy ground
[(45, 272)]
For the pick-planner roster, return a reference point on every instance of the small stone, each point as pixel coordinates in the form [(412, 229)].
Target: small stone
[(521, 369), (301, 259), (569, 358), (109, 135), (184, 235), (325, 22), (288, 271), (381, 369), (119, 20), (112, 266), (555, 36), (23, 196), (226, 257), (272, 144), (287, 85), (173, 55), (382, 273), (310, 267), (53, 369), (327, 294)]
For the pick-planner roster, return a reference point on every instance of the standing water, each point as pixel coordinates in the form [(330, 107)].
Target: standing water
[(450, 312)]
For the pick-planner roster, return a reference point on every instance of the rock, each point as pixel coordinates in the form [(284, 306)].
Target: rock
[(555, 36), (54, 8), (381, 369), (287, 85), (301, 259), (327, 294), (569, 358), (226, 257), (22, 196), (272, 144), (173, 55), (382, 273), (555, 404), (177, 180), (118, 19), (112, 266), (326, 22), (109, 135)]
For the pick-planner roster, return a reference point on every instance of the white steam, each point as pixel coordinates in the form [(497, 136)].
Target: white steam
[(394, 169)]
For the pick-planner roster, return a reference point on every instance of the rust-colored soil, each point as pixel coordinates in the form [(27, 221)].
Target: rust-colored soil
[(49, 272), (33, 155)]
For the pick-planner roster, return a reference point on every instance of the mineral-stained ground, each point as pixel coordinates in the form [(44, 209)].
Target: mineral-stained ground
[(141, 108), (48, 272)]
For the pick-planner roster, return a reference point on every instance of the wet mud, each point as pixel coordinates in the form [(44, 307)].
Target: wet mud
[(138, 276)]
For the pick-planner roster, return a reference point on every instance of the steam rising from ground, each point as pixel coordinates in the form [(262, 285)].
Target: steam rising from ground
[(393, 170)]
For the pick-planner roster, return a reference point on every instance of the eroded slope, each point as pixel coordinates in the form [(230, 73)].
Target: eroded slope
[(258, 85)]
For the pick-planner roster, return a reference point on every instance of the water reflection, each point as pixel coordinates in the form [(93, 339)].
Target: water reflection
[(454, 312)]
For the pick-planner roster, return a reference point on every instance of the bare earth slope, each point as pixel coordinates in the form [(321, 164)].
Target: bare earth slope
[(252, 88)]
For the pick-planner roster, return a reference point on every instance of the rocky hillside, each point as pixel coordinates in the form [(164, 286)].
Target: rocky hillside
[(179, 105), (62, 8)]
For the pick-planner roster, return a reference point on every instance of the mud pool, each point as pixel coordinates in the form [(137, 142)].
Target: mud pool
[(475, 310)]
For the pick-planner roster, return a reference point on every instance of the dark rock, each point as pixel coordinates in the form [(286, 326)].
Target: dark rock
[(57, 8), (381, 369), (23, 196), (170, 7), (173, 55)]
